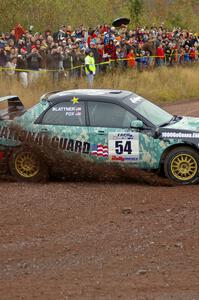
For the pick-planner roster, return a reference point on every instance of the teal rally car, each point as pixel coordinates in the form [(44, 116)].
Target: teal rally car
[(102, 126)]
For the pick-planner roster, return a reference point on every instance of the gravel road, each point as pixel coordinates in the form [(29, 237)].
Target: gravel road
[(100, 241)]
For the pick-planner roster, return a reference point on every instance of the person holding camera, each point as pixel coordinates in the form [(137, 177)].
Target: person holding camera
[(22, 67), (34, 63), (55, 61)]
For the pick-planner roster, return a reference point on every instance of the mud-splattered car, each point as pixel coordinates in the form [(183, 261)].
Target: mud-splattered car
[(105, 126)]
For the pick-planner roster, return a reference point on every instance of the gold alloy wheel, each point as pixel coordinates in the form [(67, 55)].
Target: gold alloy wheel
[(184, 167), (26, 164)]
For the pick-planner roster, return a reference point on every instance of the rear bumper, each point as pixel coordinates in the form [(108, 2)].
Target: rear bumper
[(4, 168), (4, 158)]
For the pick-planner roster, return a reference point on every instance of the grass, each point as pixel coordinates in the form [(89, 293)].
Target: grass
[(161, 85)]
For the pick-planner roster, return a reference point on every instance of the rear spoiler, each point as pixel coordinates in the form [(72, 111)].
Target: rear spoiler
[(15, 106)]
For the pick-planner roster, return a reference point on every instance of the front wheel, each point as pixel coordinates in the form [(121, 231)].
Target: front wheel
[(25, 165), (182, 165)]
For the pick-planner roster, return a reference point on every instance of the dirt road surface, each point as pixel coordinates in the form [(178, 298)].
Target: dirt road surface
[(100, 241)]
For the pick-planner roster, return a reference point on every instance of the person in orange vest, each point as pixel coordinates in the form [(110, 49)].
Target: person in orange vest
[(192, 54), (131, 59)]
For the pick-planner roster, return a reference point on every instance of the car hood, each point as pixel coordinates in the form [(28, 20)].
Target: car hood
[(186, 123)]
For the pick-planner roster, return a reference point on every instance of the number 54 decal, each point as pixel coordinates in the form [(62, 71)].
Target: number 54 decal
[(123, 146)]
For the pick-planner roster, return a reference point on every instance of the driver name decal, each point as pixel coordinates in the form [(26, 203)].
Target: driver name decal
[(70, 111)]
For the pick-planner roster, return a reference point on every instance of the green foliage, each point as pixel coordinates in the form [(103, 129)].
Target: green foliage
[(136, 10), (51, 14)]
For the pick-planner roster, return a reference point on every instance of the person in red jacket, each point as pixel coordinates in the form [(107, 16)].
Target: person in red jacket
[(160, 56), (110, 49), (19, 31)]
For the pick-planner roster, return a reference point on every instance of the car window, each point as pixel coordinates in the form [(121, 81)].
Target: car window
[(103, 114), (153, 113), (66, 113)]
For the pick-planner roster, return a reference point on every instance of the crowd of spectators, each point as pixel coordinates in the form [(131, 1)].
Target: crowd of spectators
[(64, 51)]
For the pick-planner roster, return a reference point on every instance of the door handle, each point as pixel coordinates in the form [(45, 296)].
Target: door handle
[(44, 130), (101, 132)]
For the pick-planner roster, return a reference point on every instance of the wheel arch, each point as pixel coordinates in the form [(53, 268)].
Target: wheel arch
[(170, 148), (43, 173)]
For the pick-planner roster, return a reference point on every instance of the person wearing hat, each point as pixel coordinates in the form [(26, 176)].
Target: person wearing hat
[(34, 63), (186, 54), (22, 67), (93, 47), (3, 56), (90, 68)]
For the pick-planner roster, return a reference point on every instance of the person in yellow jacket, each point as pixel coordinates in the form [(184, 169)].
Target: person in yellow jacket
[(90, 67)]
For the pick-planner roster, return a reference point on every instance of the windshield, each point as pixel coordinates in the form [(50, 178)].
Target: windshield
[(149, 111)]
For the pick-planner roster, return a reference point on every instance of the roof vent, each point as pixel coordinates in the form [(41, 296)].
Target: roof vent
[(115, 92)]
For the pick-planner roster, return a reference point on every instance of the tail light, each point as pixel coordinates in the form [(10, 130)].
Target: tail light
[(2, 154)]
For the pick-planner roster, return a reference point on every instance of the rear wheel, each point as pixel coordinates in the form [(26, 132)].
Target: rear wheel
[(182, 165), (26, 165)]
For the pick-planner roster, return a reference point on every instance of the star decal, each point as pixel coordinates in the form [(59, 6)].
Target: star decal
[(75, 100)]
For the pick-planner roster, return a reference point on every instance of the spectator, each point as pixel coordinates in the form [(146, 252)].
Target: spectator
[(160, 56), (34, 62), (18, 31), (3, 57), (65, 49), (139, 55), (186, 54), (55, 62), (131, 59), (22, 65), (90, 67), (110, 49), (168, 52), (192, 54), (10, 71)]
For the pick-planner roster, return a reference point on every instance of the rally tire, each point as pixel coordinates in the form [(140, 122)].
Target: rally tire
[(25, 165), (182, 165)]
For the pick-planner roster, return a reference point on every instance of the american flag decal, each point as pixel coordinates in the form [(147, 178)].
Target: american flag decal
[(99, 150)]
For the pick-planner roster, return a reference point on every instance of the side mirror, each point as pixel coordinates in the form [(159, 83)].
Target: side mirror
[(137, 124)]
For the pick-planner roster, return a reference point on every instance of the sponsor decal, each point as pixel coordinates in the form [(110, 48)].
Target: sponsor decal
[(116, 158), (75, 100), (136, 99), (42, 139), (180, 135), (122, 158), (70, 145), (123, 146)]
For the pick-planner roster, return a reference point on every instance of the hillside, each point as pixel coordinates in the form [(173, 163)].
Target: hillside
[(43, 14)]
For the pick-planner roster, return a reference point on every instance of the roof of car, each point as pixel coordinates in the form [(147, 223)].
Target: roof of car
[(99, 94)]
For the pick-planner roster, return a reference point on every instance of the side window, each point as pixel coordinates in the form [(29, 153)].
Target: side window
[(103, 114), (66, 113)]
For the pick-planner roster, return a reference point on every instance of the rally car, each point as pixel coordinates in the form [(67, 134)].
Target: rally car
[(102, 126)]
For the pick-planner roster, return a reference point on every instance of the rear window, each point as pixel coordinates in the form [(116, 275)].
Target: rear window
[(10, 108), (4, 110)]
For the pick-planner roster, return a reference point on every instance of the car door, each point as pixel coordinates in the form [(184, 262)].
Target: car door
[(65, 124), (112, 138)]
